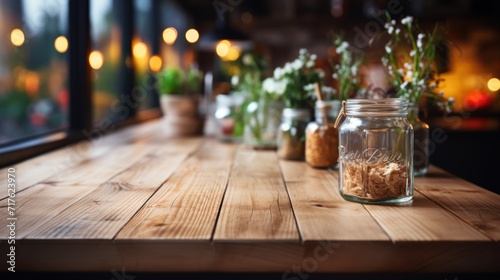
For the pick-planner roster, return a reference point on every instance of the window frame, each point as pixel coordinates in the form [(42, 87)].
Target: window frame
[(80, 124)]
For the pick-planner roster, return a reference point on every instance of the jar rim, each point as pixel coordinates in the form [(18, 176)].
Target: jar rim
[(377, 107), (296, 113)]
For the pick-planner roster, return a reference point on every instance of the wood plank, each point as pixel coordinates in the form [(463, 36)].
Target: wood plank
[(104, 211), (290, 260), (256, 205), (186, 206), (475, 205), (321, 213), (47, 199), (48, 165), (422, 220)]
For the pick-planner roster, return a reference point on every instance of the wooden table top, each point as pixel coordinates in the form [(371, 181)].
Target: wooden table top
[(139, 200)]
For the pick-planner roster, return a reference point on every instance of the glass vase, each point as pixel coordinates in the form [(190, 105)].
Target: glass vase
[(420, 143), (262, 120), (229, 117)]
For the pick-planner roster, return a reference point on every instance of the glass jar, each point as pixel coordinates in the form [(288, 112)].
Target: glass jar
[(262, 119), (322, 138), (420, 142), (291, 134), (229, 117), (375, 151)]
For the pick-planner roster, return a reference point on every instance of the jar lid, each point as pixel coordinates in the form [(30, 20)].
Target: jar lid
[(376, 107)]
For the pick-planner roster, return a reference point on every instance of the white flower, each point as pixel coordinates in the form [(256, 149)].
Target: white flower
[(313, 57), (387, 25), (393, 22), (403, 85), (302, 51), (401, 71), (406, 20), (268, 85), (388, 49), (390, 30), (385, 61), (412, 53), (421, 82), (235, 80), (279, 87), (278, 73), (335, 76), (310, 64), (288, 68), (342, 47), (451, 99), (419, 44), (309, 87), (297, 64), (409, 74), (247, 59), (398, 31), (421, 36)]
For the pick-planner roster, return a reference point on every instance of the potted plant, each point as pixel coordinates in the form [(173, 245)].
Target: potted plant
[(180, 96), (410, 60)]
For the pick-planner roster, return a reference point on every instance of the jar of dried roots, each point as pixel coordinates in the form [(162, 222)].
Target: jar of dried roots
[(375, 151), (322, 138)]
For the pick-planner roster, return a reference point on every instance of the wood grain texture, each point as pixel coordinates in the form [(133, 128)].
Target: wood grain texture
[(52, 164), (256, 205), (39, 206), (422, 220), (320, 211), (476, 206), (186, 206), (105, 210)]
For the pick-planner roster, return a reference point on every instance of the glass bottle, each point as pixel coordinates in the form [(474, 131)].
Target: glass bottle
[(376, 151), (420, 142), (291, 133), (322, 138)]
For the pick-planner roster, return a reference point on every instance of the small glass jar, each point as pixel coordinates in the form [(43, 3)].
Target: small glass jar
[(229, 117), (291, 134), (376, 151), (322, 138)]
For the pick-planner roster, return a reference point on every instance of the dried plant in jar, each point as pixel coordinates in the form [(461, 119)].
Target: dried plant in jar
[(321, 145)]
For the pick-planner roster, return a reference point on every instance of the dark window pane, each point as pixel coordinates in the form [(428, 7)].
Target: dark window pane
[(33, 67), (105, 59)]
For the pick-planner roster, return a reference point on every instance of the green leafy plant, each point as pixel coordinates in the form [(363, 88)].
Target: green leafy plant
[(346, 71), (410, 59), (173, 80)]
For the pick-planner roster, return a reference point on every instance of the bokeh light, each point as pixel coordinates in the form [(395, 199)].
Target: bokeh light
[(61, 44), (96, 60), (494, 84), (192, 36), (155, 63), (140, 50), (222, 48), (170, 35), (17, 37)]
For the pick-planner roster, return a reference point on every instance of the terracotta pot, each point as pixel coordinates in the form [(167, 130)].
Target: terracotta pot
[(182, 115), (180, 105)]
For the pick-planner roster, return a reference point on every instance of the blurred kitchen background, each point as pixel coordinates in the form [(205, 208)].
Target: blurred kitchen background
[(34, 61)]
